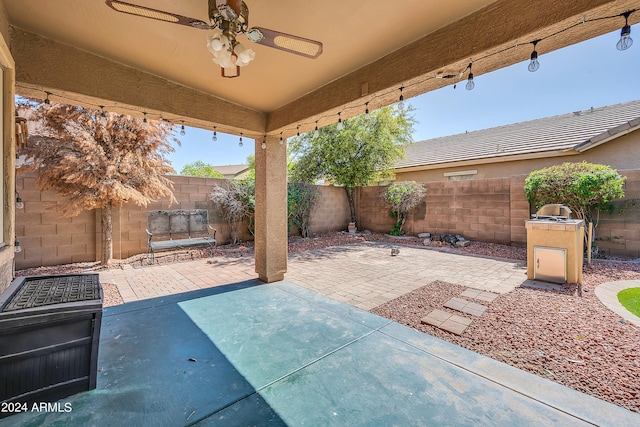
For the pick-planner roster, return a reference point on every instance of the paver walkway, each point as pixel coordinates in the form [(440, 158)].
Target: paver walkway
[(608, 295), (364, 275)]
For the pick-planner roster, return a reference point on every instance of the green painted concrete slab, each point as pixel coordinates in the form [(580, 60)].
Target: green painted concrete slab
[(268, 333)]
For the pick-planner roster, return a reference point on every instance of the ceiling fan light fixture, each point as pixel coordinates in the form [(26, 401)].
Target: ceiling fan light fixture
[(255, 35)]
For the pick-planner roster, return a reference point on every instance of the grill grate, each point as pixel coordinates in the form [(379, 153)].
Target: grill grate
[(38, 292)]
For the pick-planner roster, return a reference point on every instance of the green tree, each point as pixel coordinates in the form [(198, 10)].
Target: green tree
[(586, 188), (403, 197), (251, 161), (200, 169), (99, 160), (362, 152)]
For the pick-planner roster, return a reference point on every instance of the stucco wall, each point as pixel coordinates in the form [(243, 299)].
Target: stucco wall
[(618, 153)]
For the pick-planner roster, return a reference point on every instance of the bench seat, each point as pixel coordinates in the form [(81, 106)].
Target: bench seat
[(179, 229)]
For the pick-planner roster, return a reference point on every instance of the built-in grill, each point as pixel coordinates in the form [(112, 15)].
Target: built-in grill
[(553, 212), (554, 245), (49, 334)]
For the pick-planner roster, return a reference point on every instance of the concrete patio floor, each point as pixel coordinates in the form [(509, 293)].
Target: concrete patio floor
[(281, 354)]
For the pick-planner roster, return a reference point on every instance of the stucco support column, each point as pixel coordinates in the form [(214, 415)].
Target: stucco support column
[(271, 210)]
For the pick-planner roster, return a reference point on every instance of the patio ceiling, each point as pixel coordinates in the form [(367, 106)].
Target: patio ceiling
[(85, 53)]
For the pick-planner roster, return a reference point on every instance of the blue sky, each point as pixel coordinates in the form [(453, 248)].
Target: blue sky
[(589, 74)]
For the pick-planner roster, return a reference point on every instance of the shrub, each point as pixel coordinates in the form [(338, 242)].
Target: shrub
[(403, 197), (301, 198), (237, 203), (586, 188)]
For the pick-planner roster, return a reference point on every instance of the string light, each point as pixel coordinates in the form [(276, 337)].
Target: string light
[(534, 64), (182, 131), (470, 84), (19, 202), (340, 126), (103, 116), (47, 102), (240, 143), (16, 246), (316, 133), (281, 140), (401, 101), (625, 41), (145, 124), (366, 109), (214, 138), (264, 142)]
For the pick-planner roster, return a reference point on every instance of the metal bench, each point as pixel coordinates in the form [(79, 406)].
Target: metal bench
[(178, 229)]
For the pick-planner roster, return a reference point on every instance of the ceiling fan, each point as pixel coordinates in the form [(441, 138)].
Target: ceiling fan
[(231, 18)]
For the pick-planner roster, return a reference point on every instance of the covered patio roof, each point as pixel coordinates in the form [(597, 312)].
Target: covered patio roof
[(86, 53)]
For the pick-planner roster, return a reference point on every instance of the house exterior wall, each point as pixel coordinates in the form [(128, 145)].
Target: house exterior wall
[(7, 168), (618, 153)]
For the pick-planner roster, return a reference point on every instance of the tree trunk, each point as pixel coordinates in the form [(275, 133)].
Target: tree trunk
[(107, 234), (352, 202)]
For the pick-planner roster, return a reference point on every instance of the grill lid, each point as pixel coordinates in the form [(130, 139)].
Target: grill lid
[(553, 211)]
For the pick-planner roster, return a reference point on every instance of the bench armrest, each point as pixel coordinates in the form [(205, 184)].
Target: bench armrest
[(214, 231), (149, 234)]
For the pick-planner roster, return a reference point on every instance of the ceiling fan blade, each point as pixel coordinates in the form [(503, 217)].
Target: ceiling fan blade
[(159, 15), (287, 42)]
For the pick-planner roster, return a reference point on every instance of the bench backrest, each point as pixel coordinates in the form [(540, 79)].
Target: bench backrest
[(178, 223)]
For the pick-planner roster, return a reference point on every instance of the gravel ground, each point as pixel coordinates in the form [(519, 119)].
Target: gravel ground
[(571, 339)]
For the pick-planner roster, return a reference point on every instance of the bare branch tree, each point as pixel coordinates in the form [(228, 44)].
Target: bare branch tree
[(99, 160)]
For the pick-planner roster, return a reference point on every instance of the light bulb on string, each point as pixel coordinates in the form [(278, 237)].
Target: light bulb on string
[(47, 101), (264, 142), (534, 64), (182, 131), (298, 130), (625, 41), (214, 138), (366, 110), (281, 140), (316, 132), (470, 84), (240, 142), (340, 126), (16, 247), (145, 124), (103, 116), (401, 101), (19, 202)]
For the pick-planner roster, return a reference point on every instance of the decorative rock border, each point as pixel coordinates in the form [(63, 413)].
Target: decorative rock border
[(607, 293)]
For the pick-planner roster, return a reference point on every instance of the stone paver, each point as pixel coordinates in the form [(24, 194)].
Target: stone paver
[(465, 306), (447, 321), (479, 295), (364, 275), (608, 295)]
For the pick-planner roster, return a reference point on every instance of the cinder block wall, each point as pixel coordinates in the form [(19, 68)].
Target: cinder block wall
[(491, 210), (45, 236), (619, 232), (49, 239)]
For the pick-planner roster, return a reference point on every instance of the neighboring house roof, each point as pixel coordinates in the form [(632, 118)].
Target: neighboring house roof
[(578, 131), (232, 171)]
